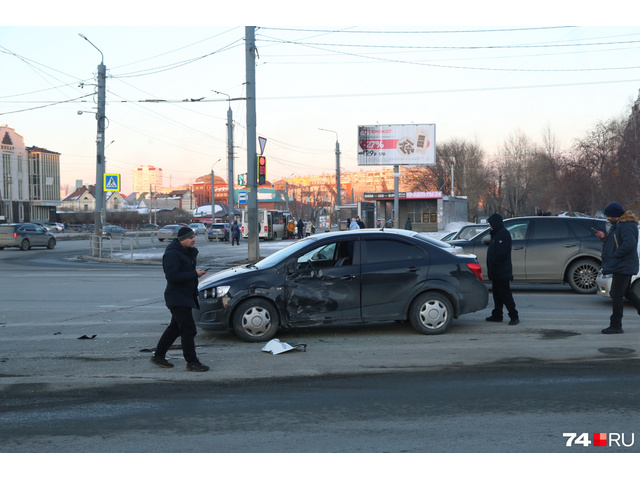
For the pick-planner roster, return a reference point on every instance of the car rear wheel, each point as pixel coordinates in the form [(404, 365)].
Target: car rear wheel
[(255, 320), (431, 313), (25, 245), (582, 276), (51, 243)]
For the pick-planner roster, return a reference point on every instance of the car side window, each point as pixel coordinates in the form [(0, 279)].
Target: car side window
[(545, 230), (336, 254), (385, 251), (518, 229)]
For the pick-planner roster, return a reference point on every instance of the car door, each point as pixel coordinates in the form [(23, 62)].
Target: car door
[(551, 245), (37, 235), (390, 270), (322, 285)]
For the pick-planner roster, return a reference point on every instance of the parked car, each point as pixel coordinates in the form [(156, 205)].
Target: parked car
[(604, 282), (55, 227), (340, 278), (549, 250), (219, 231), (148, 227), (113, 231), (198, 227), (169, 232), (466, 232), (24, 236)]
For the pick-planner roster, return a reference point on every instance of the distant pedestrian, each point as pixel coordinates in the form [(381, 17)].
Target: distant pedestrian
[(407, 224), (291, 228), (300, 228), (309, 229), (620, 259), (500, 271), (235, 233), (359, 222), (354, 225), (181, 295)]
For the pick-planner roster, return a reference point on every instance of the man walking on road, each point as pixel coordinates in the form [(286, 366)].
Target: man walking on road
[(235, 233), (500, 271), (620, 258), (181, 295)]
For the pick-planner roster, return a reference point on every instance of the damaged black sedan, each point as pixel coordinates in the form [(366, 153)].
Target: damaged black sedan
[(340, 278)]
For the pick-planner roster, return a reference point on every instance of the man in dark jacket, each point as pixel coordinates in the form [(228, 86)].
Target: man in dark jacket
[(181, 295), (500, 271), (300, 228), (620, 258), (235, 233)]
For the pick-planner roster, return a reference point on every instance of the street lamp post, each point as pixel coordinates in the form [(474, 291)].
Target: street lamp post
[(213, 189), (231, 200), (338, 189), (100, 167)]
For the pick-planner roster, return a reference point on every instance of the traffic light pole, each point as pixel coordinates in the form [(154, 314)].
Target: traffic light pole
[(252, 167)]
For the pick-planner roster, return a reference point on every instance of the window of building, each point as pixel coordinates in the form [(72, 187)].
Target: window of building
[(422, 212)]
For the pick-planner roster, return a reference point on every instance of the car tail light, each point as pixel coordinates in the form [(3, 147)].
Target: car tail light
[(15, 234), (477, 269)]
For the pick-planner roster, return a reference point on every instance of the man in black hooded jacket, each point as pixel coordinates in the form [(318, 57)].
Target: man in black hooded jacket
[(500, 271), (181, 296)]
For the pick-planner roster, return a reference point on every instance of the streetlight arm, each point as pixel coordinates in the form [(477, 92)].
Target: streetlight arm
[(101, 61)]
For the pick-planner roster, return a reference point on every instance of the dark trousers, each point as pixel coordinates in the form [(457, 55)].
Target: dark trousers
[(502, 297), (235, 240), (621, 288), (183, 326)]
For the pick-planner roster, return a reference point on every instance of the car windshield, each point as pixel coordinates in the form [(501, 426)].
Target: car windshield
[(280, 255)]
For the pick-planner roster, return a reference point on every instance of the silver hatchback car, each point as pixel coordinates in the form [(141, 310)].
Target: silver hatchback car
[(24, 236)]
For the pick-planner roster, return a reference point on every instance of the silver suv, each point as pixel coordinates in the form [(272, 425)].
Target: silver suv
[(24, 236), (549, 250)]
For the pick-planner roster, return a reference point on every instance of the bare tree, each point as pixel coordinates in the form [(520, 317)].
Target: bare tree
[(515, 169), (471, 175)]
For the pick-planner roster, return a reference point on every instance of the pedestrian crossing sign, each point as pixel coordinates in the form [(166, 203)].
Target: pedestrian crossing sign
[(111, 182)]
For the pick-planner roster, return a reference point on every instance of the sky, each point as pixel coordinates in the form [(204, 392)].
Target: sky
[(315, 83)]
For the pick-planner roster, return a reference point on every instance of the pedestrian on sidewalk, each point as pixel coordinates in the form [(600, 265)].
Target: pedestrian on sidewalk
[(181, 295), (500, 271), (235, 233), (620, 259)]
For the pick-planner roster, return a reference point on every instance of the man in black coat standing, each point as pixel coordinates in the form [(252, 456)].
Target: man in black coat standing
[(500, 271), (181, 295), (620, 259)]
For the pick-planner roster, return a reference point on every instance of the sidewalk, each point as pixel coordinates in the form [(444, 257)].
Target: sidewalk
[(210, 253)]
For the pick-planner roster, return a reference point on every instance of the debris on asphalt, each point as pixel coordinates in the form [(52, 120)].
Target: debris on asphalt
[(275, 347), (84, 337)]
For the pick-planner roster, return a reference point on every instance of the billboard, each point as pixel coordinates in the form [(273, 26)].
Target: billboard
[(397, 144)]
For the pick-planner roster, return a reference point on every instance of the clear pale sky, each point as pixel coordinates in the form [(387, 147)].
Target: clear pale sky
[(482, 82)]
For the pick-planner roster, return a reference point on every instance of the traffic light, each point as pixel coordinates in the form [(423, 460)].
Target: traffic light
[(241, 179), (262, 170)]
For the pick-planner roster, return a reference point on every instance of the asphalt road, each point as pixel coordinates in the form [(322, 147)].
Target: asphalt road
[(75, 377)]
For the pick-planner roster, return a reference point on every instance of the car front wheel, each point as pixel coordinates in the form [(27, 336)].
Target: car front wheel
[(582, 276), (51, 243), (25, 245), (431, 313), (255, 320)]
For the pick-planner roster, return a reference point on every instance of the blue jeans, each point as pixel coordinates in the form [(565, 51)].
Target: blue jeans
[(621, 289)]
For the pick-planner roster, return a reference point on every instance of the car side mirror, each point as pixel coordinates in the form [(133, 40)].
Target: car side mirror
[(486, 240)]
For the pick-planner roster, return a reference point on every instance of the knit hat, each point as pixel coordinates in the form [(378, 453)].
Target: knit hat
[(614, 209), (184, 233)]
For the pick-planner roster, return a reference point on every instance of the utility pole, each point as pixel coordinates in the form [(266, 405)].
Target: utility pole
[(252, 162), (231, 198), (100, 167), (231, 202)]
